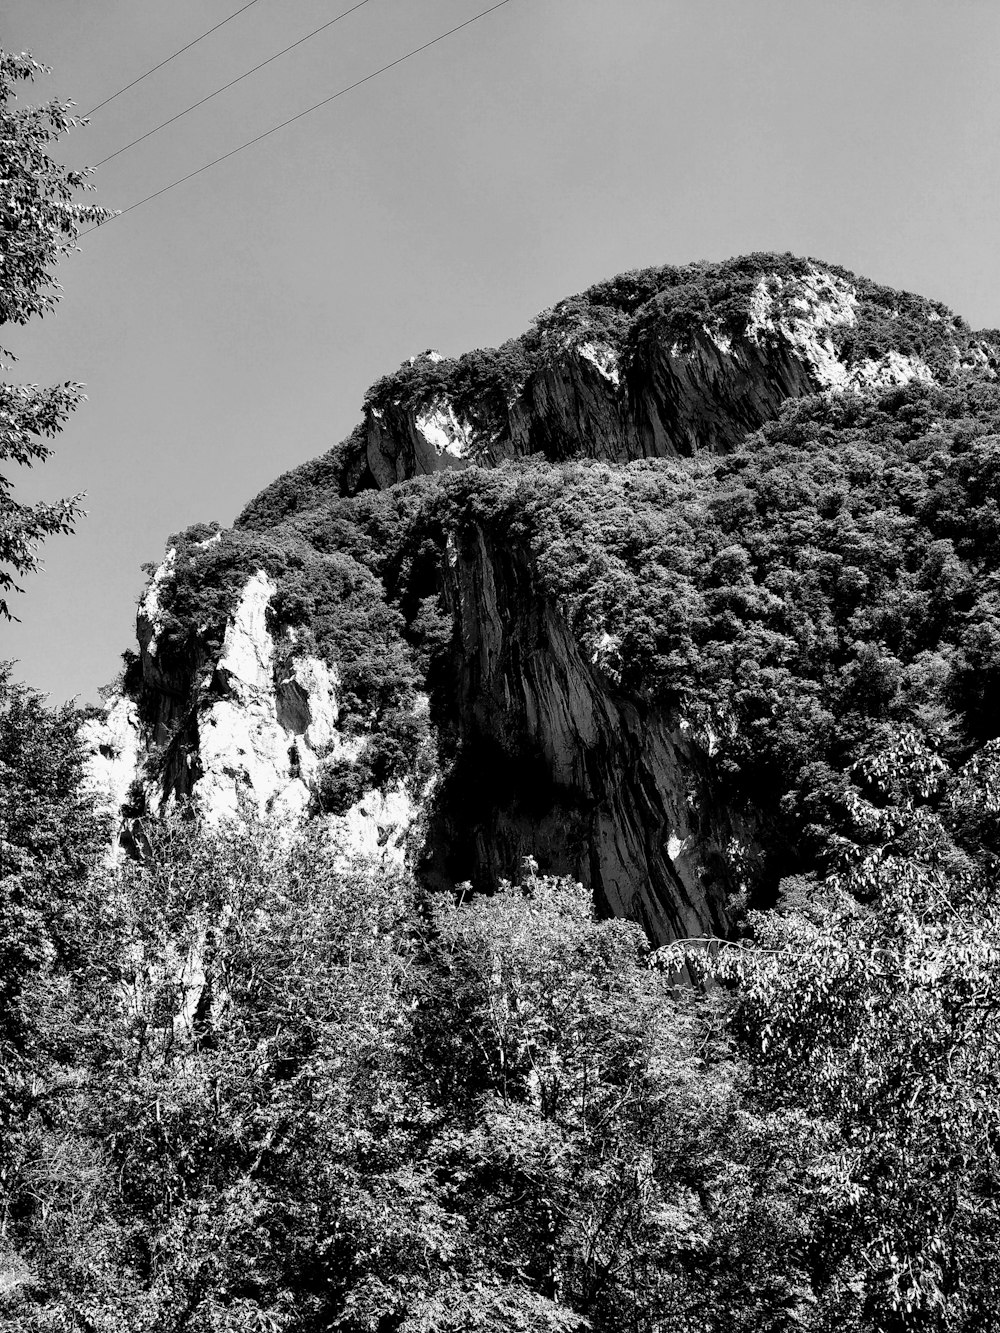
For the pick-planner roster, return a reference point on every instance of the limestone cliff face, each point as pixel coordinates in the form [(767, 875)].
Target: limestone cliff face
[(553, 764), (575, 404), (543, 753), (404, 440), (241, 731), (668, 396), (548, 760)]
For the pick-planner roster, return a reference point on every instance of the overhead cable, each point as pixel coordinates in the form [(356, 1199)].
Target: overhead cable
[(231, 84), (301, 114), (208, 33)]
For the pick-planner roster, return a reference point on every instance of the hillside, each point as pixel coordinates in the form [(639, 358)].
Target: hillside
[(636, 594), (683, 608)]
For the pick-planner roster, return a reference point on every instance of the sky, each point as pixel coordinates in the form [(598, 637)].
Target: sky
[(228, 330)]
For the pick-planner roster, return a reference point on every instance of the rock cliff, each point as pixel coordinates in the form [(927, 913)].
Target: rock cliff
[(672, 380), (243, 730), (509, 731), (544, 758), (553, 763)]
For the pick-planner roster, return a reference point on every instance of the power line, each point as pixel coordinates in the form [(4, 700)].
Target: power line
[(169, 58), (232, 84), (308, 111)]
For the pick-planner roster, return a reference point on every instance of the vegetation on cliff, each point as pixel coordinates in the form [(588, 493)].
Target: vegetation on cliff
[(824, 589), (326, 603), (674, 304), (802, 600)]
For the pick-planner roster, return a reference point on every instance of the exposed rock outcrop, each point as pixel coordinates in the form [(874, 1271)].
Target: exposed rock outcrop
[(552, 764), (244, 731), (671, 395), (258, 728), (413, 441), (113, 745)]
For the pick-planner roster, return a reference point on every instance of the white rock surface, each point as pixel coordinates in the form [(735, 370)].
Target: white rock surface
[(254, 750), (113, 745), (263, 729), (377, 826), (893, 368), (443, 434), (243, 751), (320, 685), (824, 300), (603, 358), (149, 605)]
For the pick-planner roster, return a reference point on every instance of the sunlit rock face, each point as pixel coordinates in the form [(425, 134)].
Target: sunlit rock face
[(552, 763), (113, 745), (712, 389), (411, 442), (671, 395), (244, 753), (242, 733), (579, 397)]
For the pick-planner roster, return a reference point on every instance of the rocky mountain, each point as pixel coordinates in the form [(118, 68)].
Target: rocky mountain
[(633, 594)]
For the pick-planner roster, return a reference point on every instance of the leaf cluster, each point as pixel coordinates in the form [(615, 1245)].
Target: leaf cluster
[(39, 222), (305, 1097), (879, 1021)]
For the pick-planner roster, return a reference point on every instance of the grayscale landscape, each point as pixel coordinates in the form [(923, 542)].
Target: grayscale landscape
[(534, 868)]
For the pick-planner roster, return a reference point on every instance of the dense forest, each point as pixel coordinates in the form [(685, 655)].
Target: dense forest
[(247, 1087)]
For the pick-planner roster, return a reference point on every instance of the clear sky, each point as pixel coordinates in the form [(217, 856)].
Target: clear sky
[(228, 330)]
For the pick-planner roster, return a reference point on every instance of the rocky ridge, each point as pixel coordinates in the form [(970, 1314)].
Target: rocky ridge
[(659, 392), (541, 751), (559, 766)]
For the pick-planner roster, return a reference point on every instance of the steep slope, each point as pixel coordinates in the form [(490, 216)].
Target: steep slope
[(656, 363), (653, 654)]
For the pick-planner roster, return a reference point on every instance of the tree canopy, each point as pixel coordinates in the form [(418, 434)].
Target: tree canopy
[(39, 222)]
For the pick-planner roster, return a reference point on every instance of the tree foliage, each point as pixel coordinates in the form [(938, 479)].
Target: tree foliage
[(294, 1092), (39, 222), (869, 1004), (830, 578), (50, 838), (675, 304), (307, 1097)]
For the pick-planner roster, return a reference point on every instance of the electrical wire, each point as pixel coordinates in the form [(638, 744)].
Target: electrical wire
[(232, 84), (299, 116), (236, 14)]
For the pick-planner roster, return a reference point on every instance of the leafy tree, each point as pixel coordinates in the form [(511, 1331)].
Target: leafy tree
[(49, 835), (878, 1024), (39, 222), (237, 1073), (50, 838), (304, 1099), (597, 1142)]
